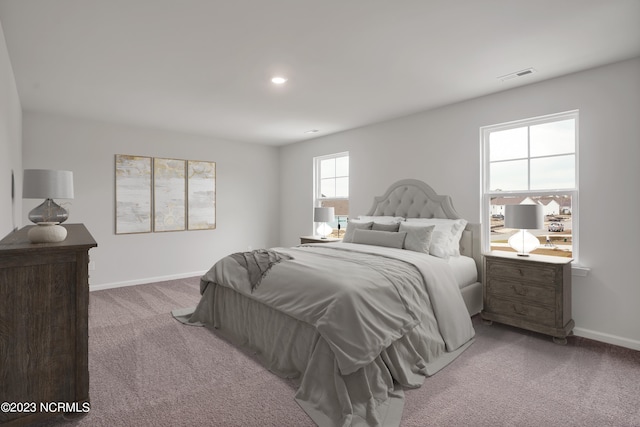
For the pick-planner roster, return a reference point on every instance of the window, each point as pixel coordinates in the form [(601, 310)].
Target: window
[(532, 161), (331, 180)]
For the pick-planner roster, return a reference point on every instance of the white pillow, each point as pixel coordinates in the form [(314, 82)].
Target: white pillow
[(352, 225), (390, 239), (445, 241), (381, 219), (418, 236)]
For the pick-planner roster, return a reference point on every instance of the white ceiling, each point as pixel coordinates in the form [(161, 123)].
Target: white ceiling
[(204, 66)]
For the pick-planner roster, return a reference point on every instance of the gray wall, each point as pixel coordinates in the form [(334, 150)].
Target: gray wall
[(10, 144), (246, 199), (442, 148)]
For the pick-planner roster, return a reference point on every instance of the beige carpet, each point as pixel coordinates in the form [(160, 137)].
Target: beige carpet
[(147, 369)]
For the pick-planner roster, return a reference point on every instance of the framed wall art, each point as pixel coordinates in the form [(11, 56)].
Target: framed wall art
[(160, 194), (133, 194), (169, 194), (201, 189)]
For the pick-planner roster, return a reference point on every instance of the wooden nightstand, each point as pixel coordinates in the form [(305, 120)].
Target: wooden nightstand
[(317, 239), (532, 293)]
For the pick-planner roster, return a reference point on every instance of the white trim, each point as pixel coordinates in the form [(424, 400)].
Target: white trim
[(144, 281), (531, 121), (580, 271), (607, 338), (486, 194), (316, 176), (317, 200)]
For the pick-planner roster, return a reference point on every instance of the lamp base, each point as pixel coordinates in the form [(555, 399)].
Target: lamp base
[(48, 211), (523, 242), (47, 232), (324, 230)]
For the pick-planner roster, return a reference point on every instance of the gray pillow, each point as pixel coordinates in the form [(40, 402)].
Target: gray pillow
[(351, 228), (388, 239), (379, 226), (418, 236)]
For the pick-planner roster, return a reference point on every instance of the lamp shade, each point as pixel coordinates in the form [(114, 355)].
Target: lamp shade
[(323, 215), (524, 217), (47, 184)]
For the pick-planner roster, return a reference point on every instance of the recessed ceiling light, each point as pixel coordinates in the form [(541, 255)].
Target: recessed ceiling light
[(312, 131), (278, 80)]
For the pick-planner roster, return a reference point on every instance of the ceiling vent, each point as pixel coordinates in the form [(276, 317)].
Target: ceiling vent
[(521, 73)]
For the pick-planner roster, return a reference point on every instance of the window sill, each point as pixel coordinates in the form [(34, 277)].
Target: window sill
[(580, 271)]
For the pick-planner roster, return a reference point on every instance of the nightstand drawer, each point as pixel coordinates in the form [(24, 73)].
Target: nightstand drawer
[(524, 291), (538, 314), (514, 270)]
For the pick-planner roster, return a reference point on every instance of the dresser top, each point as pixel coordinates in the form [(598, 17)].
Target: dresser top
[(531, 258), (77, 237)]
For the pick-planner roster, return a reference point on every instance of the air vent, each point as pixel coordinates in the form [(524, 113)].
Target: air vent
[(520, 73)]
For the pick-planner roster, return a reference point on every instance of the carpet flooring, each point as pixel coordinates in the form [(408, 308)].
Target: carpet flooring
[(147, 369)]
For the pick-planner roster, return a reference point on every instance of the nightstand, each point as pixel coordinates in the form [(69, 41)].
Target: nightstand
[(317, 239), (532, 293)]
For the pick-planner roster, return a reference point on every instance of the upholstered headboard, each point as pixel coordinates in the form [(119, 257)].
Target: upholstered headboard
[(411, 198)]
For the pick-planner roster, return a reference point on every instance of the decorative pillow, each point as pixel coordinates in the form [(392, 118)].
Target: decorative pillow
[(392, 226), (418, 236), (388, 239), (381, 219), (440, 245), (445, 241), (352, 225)]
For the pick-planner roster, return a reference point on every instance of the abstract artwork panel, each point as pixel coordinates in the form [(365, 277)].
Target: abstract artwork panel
[(133, 194), (169, 194), (201, 186)]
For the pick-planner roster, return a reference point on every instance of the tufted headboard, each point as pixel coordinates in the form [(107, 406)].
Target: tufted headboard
[(411, 198)]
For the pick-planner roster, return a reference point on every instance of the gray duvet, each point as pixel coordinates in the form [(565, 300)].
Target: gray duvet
[(355, 323)]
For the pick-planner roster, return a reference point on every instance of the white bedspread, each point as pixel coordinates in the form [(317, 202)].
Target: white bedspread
[(381, 314)]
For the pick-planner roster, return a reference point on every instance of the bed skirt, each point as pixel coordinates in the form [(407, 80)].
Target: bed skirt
[(371, 396)]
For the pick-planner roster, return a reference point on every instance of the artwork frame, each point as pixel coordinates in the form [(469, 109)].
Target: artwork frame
[(201, 195), (169, 194), (159, 194), (133, 194)]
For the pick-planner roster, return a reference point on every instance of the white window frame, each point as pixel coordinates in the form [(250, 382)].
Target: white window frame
[(487, 194), (317, 194)]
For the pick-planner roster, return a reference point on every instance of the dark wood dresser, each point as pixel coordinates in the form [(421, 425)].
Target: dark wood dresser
[(532, 293), (44, 301)]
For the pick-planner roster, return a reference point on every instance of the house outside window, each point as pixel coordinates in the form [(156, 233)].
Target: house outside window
[(331, 187), (532, 161)]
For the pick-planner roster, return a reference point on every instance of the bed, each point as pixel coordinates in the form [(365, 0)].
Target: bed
[(410, 198), (407, 312)]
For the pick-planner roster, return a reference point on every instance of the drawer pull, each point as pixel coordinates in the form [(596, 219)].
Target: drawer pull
[(522, 311), (519, 291)]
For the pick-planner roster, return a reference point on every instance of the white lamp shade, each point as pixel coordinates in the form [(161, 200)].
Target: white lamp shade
[(323, 215), (524, 217), (47, 184)]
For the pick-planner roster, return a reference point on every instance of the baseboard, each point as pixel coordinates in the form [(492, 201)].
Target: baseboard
[(144, 281), (607, 338)]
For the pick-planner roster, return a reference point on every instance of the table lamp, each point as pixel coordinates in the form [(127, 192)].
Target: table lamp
[(523, 217), (323, 216), (47, 184)]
